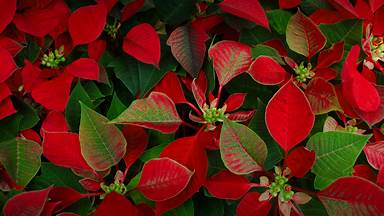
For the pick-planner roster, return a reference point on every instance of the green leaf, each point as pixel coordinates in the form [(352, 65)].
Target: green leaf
[(58, 176), (255, 36), (349, 31), (116, 107), (242, 150), (21, 159), (264, 50), (257, 124), (175, 12), (209, 206), (336, 154), (72, 111), (157, 112), (279, 20), (29, 117), (186, 209), (102, 145)]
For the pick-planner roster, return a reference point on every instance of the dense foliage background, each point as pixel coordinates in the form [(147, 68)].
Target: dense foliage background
[(191, 107)]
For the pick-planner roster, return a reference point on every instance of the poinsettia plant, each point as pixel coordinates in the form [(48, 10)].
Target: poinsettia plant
[(191, 107)]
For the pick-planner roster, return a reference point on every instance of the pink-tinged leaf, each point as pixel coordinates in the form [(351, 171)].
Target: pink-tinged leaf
[(7, 65), (137, 141), (247, 9), (330, 56), (251, 206), (130, 9), (54, 122), (286, 4), (192, 155), (375, 4), (241, 116), (226, 185), (87, 23), (163, 178), (63, 149), (364, 171), (375, 154), (235, 101), (157, 112), (143, 43), (242, 150), (8, 10), (102, 145), (11, 45), (230, 59), (96, 49), (326, 73), (115, 204), (54, 94), (289, 117), (29, 203), (170, 85), (300, 161), (90, 184), (353, 196), (199, 93), (6, 108), (188, 47), (85, 68), (322, 96), (265, 70), (304, 36), (41, 21)]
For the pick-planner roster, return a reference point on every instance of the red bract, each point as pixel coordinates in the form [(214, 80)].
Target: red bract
[(250, 205), (137, 141), (11, 45), (267, 71), (87, 23), (115, 204), (85, 68), (130, 9), (8, 9), (170, 85), (7, 65), (300, 161), (289, 116), (143, 43)]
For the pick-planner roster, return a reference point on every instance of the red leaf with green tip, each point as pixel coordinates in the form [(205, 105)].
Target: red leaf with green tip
[(188, 47), (230, 59), (242, 150), (85, 68), (8, 10), (192, 155), (7, 65), (322, 96), (330, 56), (235, 101), (247, 9), (54, 94), (115, 204), (87, 23), (143, 43), (63, 149), (157, 112), (304, 36), (289, 117), (102, 145), (170, 85), (375, 154), (352, 196), (41, 21), (300, 161), (250, 206), (27, 203), (137, 141), (226, 185), (163, 178), (265, 70)]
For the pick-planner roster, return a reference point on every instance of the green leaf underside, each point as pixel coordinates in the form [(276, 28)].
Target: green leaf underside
[(242, 150), (156, 112), (21, 159), (102, 145), (336, 153)]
